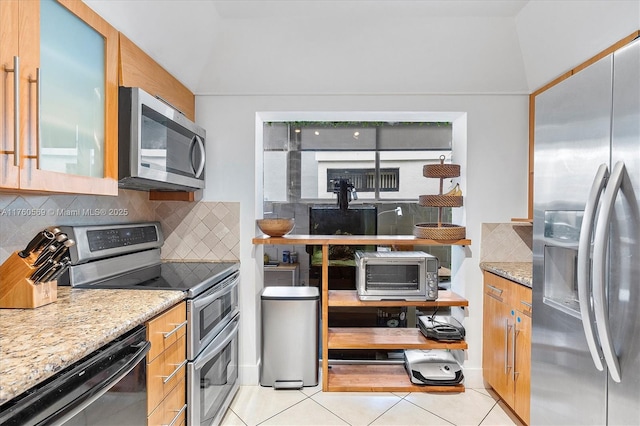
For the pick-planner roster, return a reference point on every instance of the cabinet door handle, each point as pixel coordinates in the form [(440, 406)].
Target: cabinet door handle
[(527, 304), (178, 327), (496, 289), (37, 81), (513, 353), (507, 327), (170, 376), (178, 413), (16, 107)]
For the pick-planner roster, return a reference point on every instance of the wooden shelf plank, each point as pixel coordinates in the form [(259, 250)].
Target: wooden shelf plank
[(385, 338), (357, 240), (378, 378), (350, 298)]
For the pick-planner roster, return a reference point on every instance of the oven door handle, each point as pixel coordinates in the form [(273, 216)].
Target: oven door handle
[(95, 392), (230, 335), (203, 301)]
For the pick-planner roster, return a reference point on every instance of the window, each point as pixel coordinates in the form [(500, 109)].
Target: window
[(364, 180), (383, 160)]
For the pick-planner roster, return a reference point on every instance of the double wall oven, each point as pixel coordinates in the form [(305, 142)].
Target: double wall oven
[(127, 256)]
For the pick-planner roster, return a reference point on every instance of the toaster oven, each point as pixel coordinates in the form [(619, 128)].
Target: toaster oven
[(396, 275)]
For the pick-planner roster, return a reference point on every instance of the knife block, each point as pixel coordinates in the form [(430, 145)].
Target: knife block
[(18, 291)]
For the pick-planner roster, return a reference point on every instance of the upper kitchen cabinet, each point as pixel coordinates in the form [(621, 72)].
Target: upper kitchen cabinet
[(58, 96), (137, 69)]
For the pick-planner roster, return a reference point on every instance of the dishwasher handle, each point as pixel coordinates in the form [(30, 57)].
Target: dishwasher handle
[(59, 398), (100, 388)]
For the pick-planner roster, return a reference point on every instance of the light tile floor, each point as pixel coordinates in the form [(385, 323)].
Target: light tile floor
[(257, 405)]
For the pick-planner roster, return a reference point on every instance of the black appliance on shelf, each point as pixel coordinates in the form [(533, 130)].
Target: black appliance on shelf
[(332, 220)]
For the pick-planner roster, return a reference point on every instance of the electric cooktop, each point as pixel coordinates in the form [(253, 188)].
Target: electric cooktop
[(191, 277)]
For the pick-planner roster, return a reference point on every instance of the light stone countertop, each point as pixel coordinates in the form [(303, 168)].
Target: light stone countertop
[(37, 343), (519, 272)]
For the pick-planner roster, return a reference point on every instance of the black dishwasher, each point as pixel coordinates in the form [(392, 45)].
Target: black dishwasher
[(106, 388)]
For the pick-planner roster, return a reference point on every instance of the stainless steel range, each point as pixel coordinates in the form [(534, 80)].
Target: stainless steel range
[(127, 256)]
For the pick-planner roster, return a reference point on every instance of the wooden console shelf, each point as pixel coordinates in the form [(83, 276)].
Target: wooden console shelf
[(376, 378), (371, 377), (385, 338), (337, 240), (350, 298)]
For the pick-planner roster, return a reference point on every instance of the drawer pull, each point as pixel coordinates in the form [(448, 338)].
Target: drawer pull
[(179, 413), (170, 376), (496, 289), (182, 324), (527, 304)]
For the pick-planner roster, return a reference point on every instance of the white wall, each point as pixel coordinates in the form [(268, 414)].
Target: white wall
[(353, 55), (496, 177), (555, 36)]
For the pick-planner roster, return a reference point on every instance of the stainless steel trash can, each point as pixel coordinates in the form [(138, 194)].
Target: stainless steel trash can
[(289, 337)]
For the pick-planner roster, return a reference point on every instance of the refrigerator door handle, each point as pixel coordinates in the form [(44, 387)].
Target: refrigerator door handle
[(584, 264), (600, 245)]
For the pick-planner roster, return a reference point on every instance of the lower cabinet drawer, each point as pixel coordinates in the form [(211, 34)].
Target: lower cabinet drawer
[(172, 410), (165, 329), (165, 372)]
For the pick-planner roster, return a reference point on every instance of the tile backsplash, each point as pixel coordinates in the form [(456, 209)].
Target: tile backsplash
[(204, 230), (506, 242)]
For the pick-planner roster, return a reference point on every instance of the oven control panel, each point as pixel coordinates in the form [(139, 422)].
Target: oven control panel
[(99, 241), (110, 238)]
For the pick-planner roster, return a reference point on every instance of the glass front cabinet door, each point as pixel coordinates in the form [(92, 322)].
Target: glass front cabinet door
[(59, 98)]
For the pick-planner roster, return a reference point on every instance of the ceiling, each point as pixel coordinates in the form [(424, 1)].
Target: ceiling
[(257, 9), (179, 34)]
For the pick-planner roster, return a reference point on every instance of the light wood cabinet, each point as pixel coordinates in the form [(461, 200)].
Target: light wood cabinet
[(166, 366), (172, 411), (138, 69), (34, 141), (506, 348), (371, 377)]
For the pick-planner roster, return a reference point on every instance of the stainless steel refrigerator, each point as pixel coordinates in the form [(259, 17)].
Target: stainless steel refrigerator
[(586, 254)]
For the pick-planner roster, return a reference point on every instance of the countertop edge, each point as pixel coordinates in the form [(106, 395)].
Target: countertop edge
[(78, 323), (518, 272)]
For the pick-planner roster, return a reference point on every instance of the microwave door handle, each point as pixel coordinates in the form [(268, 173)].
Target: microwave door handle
[(197, 171)]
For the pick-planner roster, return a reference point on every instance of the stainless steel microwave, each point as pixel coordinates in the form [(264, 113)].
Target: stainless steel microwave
[(158, 147), (396, 275)]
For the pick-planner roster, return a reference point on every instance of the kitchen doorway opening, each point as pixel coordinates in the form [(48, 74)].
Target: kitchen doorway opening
[(382, 156)]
